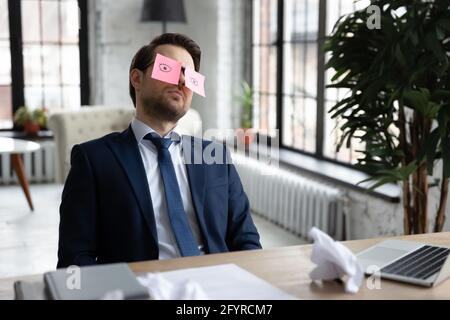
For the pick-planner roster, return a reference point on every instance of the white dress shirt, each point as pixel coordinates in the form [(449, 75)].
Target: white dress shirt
[(167, 243)]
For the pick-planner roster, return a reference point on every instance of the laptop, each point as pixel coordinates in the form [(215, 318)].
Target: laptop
[(412, 262)]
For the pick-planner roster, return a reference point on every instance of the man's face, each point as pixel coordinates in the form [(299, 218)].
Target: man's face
[(166, 101)]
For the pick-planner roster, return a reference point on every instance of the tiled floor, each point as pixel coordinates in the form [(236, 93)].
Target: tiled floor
[(28, 240)]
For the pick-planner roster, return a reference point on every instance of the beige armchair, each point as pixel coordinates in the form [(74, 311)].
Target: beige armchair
[(91, 122)]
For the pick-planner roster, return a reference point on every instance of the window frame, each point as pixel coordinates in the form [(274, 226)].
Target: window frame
[(17, 63)]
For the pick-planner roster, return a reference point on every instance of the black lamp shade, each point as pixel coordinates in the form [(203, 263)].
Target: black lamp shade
[(163, 10)]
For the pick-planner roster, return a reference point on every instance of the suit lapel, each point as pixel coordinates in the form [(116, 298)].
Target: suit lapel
[(193, 150), (127, 152)]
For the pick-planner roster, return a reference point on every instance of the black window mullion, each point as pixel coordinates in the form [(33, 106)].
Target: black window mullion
[(41, 50), (15, 38), (320, 127), (294, 53), (279, 87), (248, 34), (84, 52)]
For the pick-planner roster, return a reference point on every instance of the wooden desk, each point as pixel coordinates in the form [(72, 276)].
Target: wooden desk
[(288, 269)]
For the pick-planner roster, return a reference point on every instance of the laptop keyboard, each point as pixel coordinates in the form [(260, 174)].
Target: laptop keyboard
[(419, 264)]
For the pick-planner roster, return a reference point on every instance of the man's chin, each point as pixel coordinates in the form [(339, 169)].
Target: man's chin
[(168, 110), (174, 111)]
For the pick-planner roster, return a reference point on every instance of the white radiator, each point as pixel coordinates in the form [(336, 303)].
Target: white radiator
[(39, 165), (292, 201)]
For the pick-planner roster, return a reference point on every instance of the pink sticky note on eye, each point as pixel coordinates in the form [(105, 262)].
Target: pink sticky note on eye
[(194, 81), (166, 69)]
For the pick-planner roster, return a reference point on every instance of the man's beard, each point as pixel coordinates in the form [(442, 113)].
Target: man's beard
[(161, 109)]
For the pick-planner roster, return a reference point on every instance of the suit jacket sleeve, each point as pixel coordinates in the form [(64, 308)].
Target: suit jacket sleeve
[(242, 233), (78, 214)]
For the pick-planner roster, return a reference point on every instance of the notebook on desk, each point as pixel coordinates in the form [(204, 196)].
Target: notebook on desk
[(25, 290), (94, 283)]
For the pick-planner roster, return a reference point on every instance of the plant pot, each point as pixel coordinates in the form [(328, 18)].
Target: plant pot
[(31, 128)]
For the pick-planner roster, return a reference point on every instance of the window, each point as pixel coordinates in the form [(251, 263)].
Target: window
[(46, 50), (265, 52), (289, 77), (5, 69), (300, 45)]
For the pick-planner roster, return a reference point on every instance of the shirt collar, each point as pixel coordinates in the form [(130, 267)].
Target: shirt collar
[(140, 130)]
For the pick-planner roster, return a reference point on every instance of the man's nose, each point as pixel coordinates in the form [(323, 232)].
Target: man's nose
[(182, 79)]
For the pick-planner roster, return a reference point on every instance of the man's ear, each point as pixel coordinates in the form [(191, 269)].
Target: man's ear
[(136, 78)]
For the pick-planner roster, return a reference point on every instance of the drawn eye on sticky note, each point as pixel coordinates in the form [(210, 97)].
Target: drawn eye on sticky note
[(195, 81), (166, 69)]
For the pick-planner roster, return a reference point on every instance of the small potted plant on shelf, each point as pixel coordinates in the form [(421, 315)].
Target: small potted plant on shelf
[(31, 120), (246, 102)]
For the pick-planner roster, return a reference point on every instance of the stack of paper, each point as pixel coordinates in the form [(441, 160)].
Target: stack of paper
[(226, 282)]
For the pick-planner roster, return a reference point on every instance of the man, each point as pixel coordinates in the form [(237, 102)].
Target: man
[(130, 196)]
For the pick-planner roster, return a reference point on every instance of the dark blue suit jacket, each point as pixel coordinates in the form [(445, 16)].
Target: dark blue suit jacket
[(107, 214)]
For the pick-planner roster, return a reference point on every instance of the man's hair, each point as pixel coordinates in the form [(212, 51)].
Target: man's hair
[(145, 56)]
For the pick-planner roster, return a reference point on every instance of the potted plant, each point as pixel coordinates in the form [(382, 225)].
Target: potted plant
[(398, 101), (246, 131), (31, 120)]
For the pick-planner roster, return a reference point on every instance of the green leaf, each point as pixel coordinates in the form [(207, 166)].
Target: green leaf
[(405, 172), (378, 182), (393, 97), (342, 108), (439, 95), (443, 119), (338, 74), (429, 150), (444, 24), (400, 57), (416, 99), (431, 110), (440, 34), (432, 43), (414, 37)]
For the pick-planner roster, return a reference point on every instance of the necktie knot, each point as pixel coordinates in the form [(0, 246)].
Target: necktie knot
[(160, 143)]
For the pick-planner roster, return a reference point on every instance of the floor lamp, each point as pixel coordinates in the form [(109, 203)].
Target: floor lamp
[(164, 11)]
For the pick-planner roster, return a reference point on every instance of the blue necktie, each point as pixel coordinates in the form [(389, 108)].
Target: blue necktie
[(185, 239)]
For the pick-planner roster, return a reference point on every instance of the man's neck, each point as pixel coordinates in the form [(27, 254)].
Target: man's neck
[(160, 126)]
